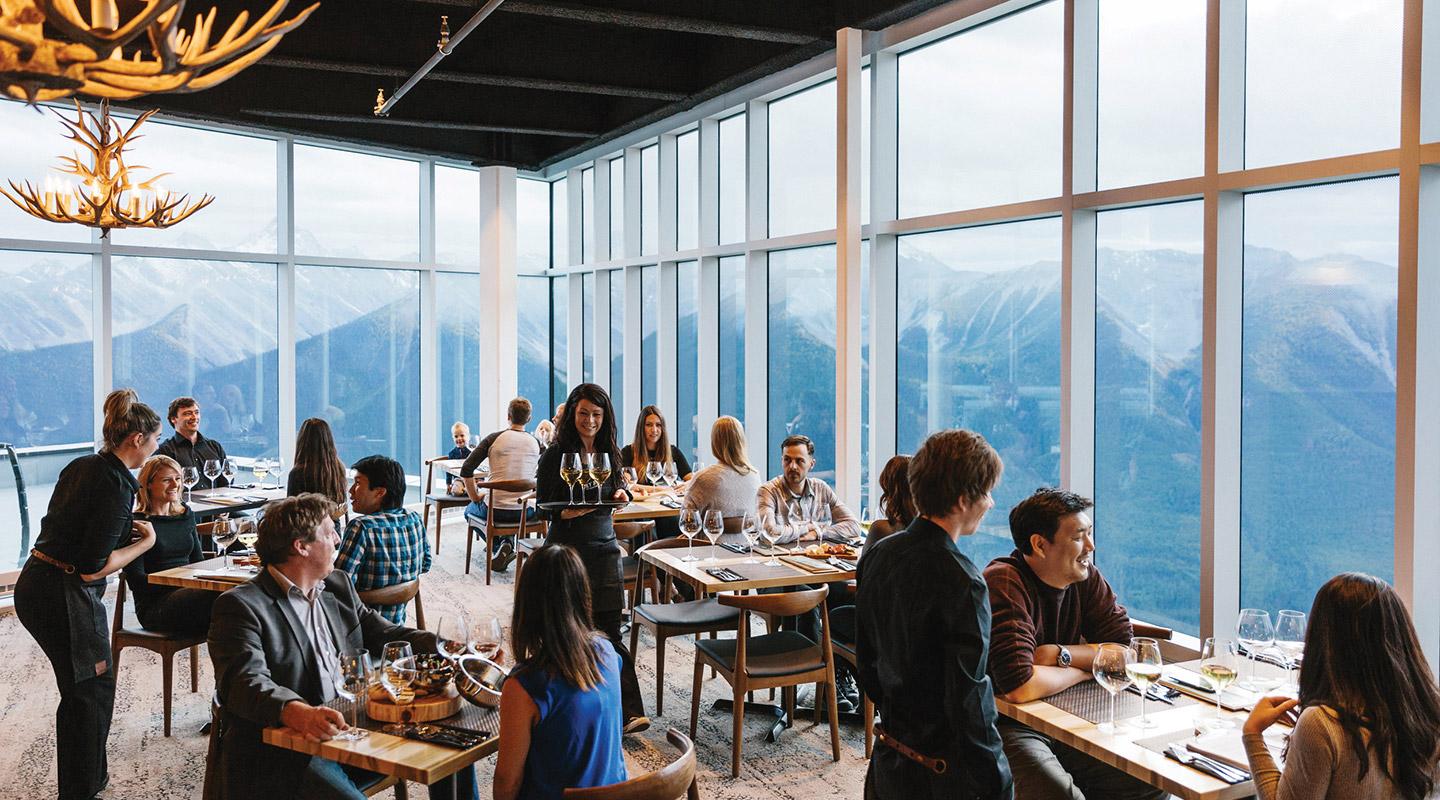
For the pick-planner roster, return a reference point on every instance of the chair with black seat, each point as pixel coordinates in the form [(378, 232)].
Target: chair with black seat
[(440, 500), (842, 620), (210, 782), (665, 619), (784, 659), (496, 530), (630, 535), (164, 645), (397, 595), (670, 782), (525, 546)]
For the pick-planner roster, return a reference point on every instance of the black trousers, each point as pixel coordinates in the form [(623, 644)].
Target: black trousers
[(185, 611), (82, 720), (607, 601)]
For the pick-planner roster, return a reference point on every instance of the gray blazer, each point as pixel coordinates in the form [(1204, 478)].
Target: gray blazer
[(257, 644)]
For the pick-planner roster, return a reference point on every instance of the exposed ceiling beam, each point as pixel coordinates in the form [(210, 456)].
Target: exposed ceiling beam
[(539, 84), (642, 19), (363, 119)]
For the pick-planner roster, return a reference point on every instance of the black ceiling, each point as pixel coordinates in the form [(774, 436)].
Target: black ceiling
[(536, 81)]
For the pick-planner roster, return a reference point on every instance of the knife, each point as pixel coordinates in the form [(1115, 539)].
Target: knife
[(1151, 695)]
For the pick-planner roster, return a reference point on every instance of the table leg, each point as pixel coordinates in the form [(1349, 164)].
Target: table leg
[(782, 720)]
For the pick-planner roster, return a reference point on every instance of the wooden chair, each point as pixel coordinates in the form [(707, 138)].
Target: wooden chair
[(495, 530), (629, 534), (397, 595), (525, 546), (1153, 631), (670, 782), (845, 651), (165, 645), (785, 659), (210, 783), (665, 619), (440, 500)]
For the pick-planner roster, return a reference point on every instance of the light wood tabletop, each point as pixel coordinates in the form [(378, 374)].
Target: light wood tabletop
[(757, 576), (191, 576), (1122, 752), (411, 760), (210, 502), (648, 508)]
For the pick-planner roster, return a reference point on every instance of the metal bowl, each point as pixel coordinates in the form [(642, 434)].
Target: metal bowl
[(479, 680), (433, 672)]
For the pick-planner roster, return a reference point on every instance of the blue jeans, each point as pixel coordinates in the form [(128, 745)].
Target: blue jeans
[(476, 512), (328, 780)]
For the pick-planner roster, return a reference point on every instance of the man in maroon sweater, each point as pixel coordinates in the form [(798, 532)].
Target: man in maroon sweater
[(1050, 607)]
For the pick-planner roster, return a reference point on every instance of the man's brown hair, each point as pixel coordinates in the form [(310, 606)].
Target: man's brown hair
[(176, 406), (291, 519), (519, 411), (951, 465)]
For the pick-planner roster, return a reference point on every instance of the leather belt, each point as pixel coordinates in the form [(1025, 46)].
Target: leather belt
[(68, 569), (936, 765)]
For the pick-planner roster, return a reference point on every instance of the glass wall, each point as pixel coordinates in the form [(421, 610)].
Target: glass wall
[(650, 200), (532, 225), (532, 310), (732, 179), (687, 190), (685, 424), (587, 323), (30, 154), (559, 338), (978, 347), (649, 317), (457, 314), (802, 161), (355, 205), (588, 219), (46, 351), (732, 339), (801, 347), (457, 212), (560, 223), (1317, 470), (617, 207), (1149, 297), (617, 340)]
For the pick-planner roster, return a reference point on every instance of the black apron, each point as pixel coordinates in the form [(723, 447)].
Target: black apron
[(89, 630)]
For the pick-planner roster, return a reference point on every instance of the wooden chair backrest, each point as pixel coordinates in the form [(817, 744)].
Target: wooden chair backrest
[(1153, 631), (395, 595), (674, 780), (666, 544), (207, 528), (507, 485), (631, 530), (783, 604)]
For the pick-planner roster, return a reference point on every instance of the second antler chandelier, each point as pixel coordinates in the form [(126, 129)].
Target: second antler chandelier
[(98, 56)]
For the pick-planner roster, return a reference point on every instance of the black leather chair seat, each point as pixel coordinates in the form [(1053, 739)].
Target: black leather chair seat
[(707, 613), (769, 656)]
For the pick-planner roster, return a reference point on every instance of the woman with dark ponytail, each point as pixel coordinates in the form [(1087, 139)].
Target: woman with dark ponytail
[(87, 534)]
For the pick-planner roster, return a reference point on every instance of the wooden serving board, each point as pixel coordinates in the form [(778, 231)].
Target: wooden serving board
[(425, 709)]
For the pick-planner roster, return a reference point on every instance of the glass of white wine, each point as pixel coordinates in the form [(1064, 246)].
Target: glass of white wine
[(1110, 668), (246, 532), (1220, 666), (1290, 639), (570, 472), (690, 528), (599, 474), (1145, 670), (259, 467), (353, 684)]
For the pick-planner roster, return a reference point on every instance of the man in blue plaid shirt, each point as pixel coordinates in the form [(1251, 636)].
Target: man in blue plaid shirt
[(386, 544)]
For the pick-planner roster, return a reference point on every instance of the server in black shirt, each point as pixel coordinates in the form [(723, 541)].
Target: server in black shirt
[(87, 534), (167, 608), (188, 446), (923, 635), (588, 426)]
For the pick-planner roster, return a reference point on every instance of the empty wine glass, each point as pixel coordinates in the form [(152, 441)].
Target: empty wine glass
[(277, 467), (190, 476), (1220, 666), (629, 476), (714, 527), (798, 522), (750, 526), (397, 673), (768, 538), (671, 474), (212, 471), (690, 528), (487, 638), (1111, 670), (353, 684), (228, 470), (821, 523), (1290, 639), (1145, 670), (570, 472), (654, 472), (224, 532), (1254, 630), (452, 635)]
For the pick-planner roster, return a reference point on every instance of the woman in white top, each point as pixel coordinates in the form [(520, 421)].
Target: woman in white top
[(1371, 722), (730, 484)]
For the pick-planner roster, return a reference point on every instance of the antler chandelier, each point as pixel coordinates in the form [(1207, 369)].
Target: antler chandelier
[(109, 194), (93, 59)]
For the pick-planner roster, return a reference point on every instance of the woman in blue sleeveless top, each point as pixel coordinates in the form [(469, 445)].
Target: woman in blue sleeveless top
[(560, 713)]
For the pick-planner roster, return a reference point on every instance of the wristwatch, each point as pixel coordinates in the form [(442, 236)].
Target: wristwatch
[(1064, 656)]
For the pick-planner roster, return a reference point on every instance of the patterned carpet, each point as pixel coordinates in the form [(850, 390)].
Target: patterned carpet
[(145, 764)]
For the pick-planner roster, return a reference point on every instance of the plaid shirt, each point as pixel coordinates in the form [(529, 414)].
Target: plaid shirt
[(383, 549)]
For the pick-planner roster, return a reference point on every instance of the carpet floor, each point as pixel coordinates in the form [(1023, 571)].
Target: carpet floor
[(146, 764)]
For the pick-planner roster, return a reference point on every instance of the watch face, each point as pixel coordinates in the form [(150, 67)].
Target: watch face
[(1064, 657)]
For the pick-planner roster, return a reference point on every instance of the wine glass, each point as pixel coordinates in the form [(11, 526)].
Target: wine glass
[(353, 684), (212, 471), (750, 526), (768, 538), (1220, 665), (277, 467), (225, 533), (452, 635), (690, 528), (190, 476), (821, 523), (1254, 632), (798, 521), (670, 474), (599, 473), (397, 673), (570, 472), (654, 472), (246, 533), (1290, 639), (473, 442), (259, 468), (487, 638), (629, 476), (228, 470), (1145, 671), (1111, 670), (714, 527)]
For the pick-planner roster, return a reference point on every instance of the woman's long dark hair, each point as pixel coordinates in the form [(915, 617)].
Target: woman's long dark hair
[(1363, 659), (550, 627), (895, 498), (640, 452), (317, 462), (567, 438)]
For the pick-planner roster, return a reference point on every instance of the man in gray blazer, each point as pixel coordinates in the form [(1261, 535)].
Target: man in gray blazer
[(276, 643)]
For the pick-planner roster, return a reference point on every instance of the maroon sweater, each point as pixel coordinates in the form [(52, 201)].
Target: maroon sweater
[(1026, 612)]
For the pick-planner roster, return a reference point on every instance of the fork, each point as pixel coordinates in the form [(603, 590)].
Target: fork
[(1210, 766)]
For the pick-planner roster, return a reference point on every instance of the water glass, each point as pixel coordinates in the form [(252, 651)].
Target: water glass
[(1111, 671)]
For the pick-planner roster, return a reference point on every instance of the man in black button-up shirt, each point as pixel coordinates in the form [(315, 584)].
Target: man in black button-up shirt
[(187, 446), (923, 635)]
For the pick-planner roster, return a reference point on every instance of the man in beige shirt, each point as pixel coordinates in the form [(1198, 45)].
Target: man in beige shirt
[(791, 504)]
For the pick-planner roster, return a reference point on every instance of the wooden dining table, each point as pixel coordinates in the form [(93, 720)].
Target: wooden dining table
[(203, 575), (208, 503)]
